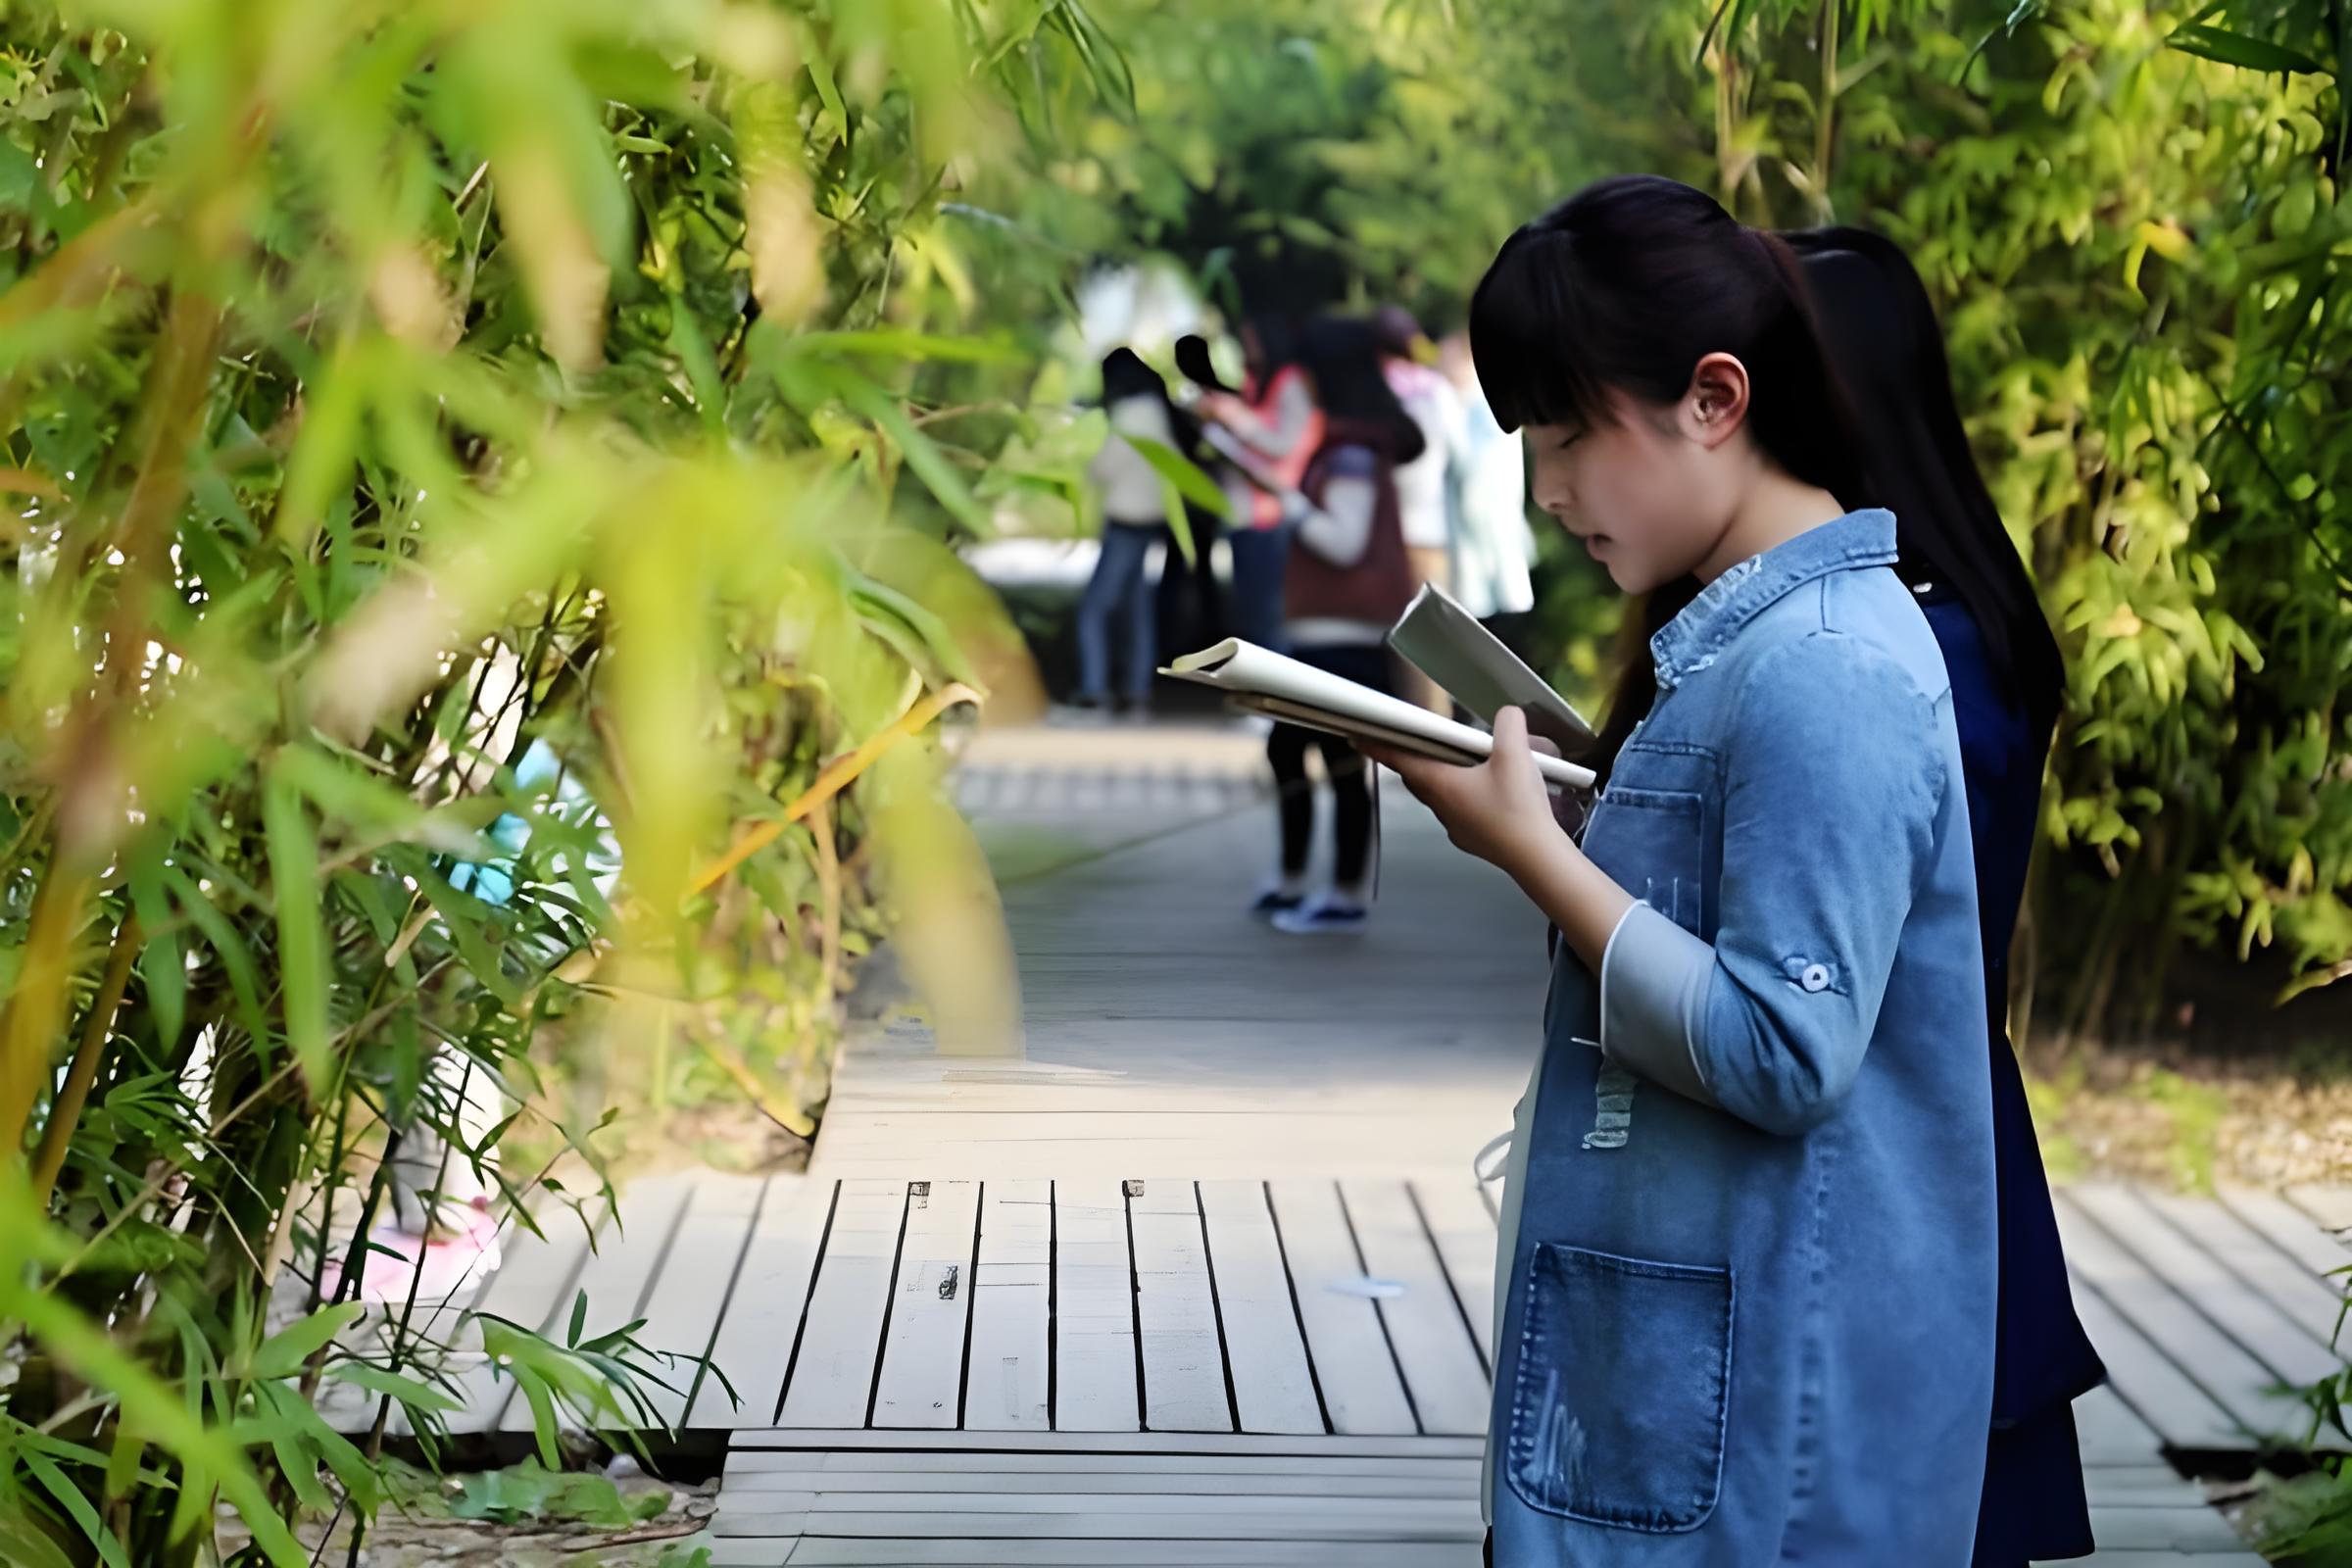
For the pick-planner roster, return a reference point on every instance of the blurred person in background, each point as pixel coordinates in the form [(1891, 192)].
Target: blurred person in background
[(1134, 517), (1348, 581), (1493, 547), (1275, 428), (1424, 486), (1191, 603)]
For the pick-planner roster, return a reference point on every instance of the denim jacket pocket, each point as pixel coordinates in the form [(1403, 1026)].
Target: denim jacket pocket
[(1654, 843), (1618, 1408)]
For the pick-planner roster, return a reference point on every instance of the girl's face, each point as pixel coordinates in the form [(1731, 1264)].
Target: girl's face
[(1651, 490)]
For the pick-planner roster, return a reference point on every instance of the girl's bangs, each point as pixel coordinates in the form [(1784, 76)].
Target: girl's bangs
[(1527, 334)]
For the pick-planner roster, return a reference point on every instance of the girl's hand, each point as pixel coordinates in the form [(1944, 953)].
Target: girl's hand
[(1499, 810)]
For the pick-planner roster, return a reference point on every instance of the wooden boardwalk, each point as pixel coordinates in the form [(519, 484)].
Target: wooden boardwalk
[(1169, 1370), (1202, 1276)]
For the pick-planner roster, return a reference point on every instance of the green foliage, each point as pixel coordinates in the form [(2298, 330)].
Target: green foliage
[(2304, 1519), (475, 603), (526, 1493)]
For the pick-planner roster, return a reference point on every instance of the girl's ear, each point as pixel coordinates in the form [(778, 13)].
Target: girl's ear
[(1716, 404)]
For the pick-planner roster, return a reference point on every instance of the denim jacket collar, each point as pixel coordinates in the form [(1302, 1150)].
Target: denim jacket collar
[(1691, 641)]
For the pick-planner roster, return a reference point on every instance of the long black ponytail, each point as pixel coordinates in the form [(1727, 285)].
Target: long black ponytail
[(1881, 327), (1628, 284)]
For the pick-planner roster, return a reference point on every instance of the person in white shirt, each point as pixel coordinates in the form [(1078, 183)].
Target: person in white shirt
[(1494, 548), (1135, 517), (1425, 485)]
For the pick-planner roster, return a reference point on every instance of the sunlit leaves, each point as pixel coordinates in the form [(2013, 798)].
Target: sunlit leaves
[(567, 352)]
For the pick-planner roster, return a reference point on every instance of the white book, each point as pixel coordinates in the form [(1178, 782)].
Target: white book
[(1267, 682), (1445, 642)]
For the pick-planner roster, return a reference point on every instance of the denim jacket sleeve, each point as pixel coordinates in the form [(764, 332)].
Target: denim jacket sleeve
[(1833, 775)]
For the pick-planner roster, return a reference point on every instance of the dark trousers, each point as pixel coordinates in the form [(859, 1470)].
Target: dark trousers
[(1192, 604), (1366, 665), (1119, 588), (1258, 557)]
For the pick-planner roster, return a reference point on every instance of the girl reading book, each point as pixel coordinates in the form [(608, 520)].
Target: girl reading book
[(1752, 1271)]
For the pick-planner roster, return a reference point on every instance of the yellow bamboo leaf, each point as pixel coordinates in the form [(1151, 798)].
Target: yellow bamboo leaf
[(409, 300), (734, 1066), (567, 278), (2165, 238), (2120, 624), (779, 222), (837, 777), (26, 483)]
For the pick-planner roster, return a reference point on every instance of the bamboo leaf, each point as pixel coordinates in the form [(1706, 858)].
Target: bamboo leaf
[(301, 940), (77, 1507), (1196, 487), (157, 1409), (160, 969), (2209, 42), (285, 1352)]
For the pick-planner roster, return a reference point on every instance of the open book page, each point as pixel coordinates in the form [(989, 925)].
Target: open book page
[(1273, 683), (1445, 642)]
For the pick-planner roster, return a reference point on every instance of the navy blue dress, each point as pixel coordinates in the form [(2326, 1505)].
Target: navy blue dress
[(2034, 1504)]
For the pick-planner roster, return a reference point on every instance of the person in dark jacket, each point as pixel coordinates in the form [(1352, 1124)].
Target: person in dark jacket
[(2007, 678)]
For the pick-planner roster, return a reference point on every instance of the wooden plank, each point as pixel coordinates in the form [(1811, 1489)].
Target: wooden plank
[(683, 1309), (628, 1247), (747, 1465), (766, 1306), (2182, 1375), (2154, 1390), (1428, 1326), (1007, 1380), (2287, 1228), (1359, 1521), (2195, 1528), (917, 1508), (1459, 1484), (1358, 1372), (1093, 1326), (2219, 1293), (1131, 1553), (1463, 1228), (2307, 1301), (2107, 1431), (1273, 1385), (745, 1447), (2326, 1203), (1176, 1311), (922, 1364), (832, 1378), (2157, 1486)]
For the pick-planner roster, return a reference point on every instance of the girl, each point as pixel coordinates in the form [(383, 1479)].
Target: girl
[(1347, 582), (2006, 678), (1135, 515), (1278, 429), (1751, 1273)]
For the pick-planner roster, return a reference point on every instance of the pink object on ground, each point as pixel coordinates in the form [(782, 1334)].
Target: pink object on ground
[(450, 1263)]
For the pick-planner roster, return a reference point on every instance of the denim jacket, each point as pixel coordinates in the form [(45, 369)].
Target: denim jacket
[(1752, 1270)]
